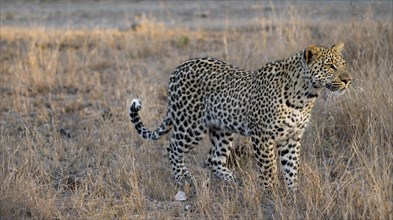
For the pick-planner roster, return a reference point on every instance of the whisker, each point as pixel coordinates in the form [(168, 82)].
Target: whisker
[(356, 91)]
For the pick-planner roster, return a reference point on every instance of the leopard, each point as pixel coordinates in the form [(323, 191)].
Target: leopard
[(271, 105)]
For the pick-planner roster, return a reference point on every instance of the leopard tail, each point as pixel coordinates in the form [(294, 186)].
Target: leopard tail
[(163, 129)]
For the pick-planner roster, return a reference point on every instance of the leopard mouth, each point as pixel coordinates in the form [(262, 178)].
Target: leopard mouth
[(338, 86)]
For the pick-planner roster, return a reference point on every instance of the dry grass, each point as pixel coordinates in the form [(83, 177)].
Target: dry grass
[(68, 150)]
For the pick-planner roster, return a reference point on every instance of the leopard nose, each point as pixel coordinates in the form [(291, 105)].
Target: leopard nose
[(346, 81), (345, 78)]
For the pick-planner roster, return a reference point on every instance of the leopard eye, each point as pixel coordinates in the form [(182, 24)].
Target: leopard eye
[(333, 67)]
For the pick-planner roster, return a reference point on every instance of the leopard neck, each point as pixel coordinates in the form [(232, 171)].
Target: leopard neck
[(288, 76), (297, 86)]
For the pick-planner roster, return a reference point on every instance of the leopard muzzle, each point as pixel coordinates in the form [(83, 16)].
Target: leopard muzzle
[(341, 81)]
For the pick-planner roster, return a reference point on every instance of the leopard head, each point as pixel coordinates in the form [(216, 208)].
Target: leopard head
[(326, 68)]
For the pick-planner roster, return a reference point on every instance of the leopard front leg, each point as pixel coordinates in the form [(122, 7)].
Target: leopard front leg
[(266, 160), (289, 153)]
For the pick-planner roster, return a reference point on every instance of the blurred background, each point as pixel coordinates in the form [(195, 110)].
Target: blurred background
[(194, 15)]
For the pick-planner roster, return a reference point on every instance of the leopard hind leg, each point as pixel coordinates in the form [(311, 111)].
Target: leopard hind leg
[(182, 141), (220, 152)]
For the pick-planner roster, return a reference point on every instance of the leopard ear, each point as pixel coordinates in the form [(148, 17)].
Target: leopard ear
[(338, 47), (311, 53)]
